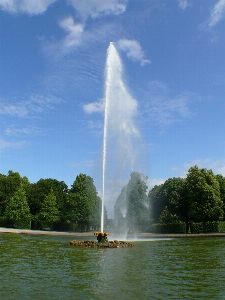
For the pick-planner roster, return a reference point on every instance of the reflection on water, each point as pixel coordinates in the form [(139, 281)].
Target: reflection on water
[(46, 267)]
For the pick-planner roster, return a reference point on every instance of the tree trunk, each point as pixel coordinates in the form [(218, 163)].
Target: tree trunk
[(204, 226)]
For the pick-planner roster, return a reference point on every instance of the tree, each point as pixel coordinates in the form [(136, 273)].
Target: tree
[(167, 217), (49, 213), (221, 181), (38, 191), (157, 201), (9, 184), (131, 207), (3, 194), (203, 192), (17, 211), (170, 194), (137, 211), (120, 210), (85, 200), (96, 223)]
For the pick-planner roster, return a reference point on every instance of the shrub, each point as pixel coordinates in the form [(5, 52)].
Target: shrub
[(169, 228), (3, 222), (221, 227), (196, 227), (211, 226)]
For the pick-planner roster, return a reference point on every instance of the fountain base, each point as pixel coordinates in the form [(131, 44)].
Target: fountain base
[(102, 242)]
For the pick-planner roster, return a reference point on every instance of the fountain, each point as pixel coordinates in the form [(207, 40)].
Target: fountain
[(119, 132), (102, 242)]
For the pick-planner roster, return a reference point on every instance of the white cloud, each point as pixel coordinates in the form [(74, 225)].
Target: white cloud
[(217, 166), (84, 164), (164, 108), (11, 144), (31, 7), (94, 107), (33, 107), (133, 50), (183, 4), (15, 131), (77, 34), (217, 13), (75, 31), (98, 8), (36, 104), (92, 8), (18, 109)]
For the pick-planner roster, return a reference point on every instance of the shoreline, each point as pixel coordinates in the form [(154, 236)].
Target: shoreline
[(44, 232), (91, 234)]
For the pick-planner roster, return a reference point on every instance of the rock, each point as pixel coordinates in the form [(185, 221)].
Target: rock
[(109, 244)]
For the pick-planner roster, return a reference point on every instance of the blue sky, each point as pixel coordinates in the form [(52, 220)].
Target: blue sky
[(52, 78)]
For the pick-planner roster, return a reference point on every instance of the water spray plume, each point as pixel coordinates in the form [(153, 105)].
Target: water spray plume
[(120, 108)]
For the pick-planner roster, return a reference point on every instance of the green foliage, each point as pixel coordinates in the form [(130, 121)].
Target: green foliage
[(131, 210), (8, 186), (198, 199), (196, 227), (17, 211), (49, 213), (221, 227), (221, 181), (157, 201), (167, 217), (171, 194), (177, 227), (96, 223), (3, 194), (38, 191), (85, 201), (210, 226), (203, 192), (3, 222)]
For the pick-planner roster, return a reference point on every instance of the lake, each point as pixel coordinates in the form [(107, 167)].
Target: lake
[(46, 267)]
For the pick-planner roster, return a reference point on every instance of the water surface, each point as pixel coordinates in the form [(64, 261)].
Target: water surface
[(46, 267)]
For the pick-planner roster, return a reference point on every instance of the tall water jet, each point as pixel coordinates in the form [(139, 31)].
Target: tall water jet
[(108, 74), (120, 131)]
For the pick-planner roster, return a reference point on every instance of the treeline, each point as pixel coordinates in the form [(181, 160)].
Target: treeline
[(179, 204), (190, 204), (198, 198), (132, 207), (49, 203)]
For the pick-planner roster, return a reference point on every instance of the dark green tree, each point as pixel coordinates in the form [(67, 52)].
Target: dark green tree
[(157, 201), (167, 217), (120, 210), (49, 213), (97, 215), (137, 212), (131, 209), (38, 191), (203, 192), (9, 184), (17, 211), (221, 181), (172, 196), (3, 194), (85, 201)]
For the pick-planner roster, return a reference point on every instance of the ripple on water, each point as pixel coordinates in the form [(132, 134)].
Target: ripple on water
[(37, 267)]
